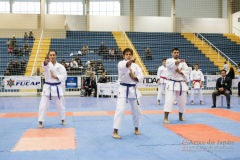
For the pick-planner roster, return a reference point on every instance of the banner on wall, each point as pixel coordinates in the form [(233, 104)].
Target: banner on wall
[(72, 82), (22, 82)]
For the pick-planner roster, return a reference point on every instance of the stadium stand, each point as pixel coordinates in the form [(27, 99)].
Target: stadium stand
[(68, 48), (161, 45), (228, 47), (5, 57)]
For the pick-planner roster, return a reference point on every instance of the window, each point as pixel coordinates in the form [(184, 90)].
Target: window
[(26, 7), (4, 7), (109, 8), (66, 8)]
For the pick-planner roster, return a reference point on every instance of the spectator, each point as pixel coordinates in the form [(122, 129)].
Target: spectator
[(148, 54), (16, 67), (10, 49), (80, 66), (102, 49), (38, 72), (23, 66), (92, 63), (8, 43), (10, 67), (85, 49), (231, 73), (118, 53), (99, 63), (99, 70), (79, 53), (67, 67), (25, 37), (14, 41), (73, 64), (26, 48), (7, 73), (225, 66), (77, 58), (111, 53), (31, 36), (91, 86), (89, 70), (103, 78)]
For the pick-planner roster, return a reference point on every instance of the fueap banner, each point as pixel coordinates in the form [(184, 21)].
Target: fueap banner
[(22, 82)]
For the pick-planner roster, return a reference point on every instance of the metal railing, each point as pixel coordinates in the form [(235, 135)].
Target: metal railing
[(128, 43), (214, 47), (37, 54)]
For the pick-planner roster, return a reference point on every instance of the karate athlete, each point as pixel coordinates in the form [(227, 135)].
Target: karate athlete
[(129, 74), (54, 87), (177, 73), (197, 79), (161, 79)]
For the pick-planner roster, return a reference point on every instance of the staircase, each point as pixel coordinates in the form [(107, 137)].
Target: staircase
[(209, 52), (122, 43), (44, 48), (233, 38)]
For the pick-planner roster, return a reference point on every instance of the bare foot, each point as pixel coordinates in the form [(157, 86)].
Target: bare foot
[(116, 136), (166, 121)]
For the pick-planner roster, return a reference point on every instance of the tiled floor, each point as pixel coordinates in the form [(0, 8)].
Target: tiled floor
[(207, 134)]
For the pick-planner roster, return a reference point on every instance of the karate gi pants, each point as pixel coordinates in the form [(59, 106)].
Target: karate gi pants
[(120, 109), (44, 104), (171, 96), (199, 93), (161, 90)]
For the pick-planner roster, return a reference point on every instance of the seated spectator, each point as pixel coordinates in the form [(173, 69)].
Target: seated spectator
[(10, 50), (77, 58), (14, 41), (23, 65), (92, 64), (223, 86), (99, 63), (99, 70), (80, 66), (31, 36), (111, 53), (88, 71), (85, 49), (26, 49), (7, 73), (103, 78), (90, 86), (8, 43), (118, 53), (73, 64), (16, 68), (102, 49), (67, 67), (25, 37), (148, 54), (80, 53), (38, 72)]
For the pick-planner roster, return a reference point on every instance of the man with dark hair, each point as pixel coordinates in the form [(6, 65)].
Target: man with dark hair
[(197, 79), (54, 87), (91, 85), (223, 86), (176, 87), (129, 74), (161, 79)]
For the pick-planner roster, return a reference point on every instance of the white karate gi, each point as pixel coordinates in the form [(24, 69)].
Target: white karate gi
[(60, 71), (162, 76), (173, 89), (195, 77), (133, 96)]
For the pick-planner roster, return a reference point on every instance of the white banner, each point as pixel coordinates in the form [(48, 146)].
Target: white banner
[(107, 88), (22, 82), (149, 81), (212, 79)]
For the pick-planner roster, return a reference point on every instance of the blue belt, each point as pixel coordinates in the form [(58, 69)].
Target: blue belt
[(174, 81), (127, 91), (53, 84)]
